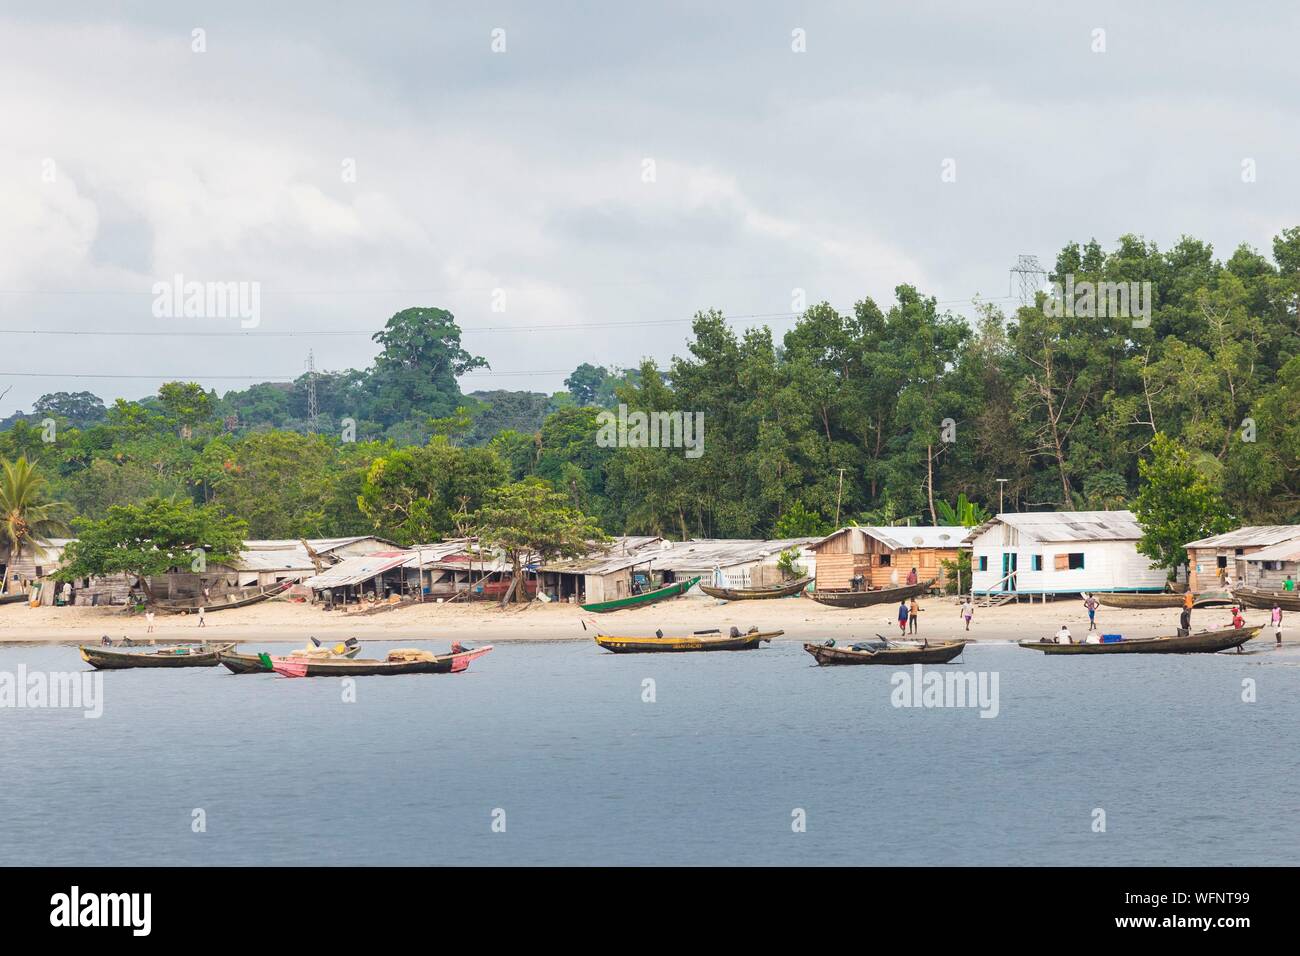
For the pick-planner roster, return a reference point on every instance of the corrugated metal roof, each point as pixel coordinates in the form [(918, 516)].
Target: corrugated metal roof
[(355, 570), (319, 545), (703, 554), (1251, 535), (1067, 525), (906, 536), (285, 559), (1286, 551)]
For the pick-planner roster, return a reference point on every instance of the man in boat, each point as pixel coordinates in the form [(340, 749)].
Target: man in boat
[(911, 576), (902, 617), (1092, 605), (1063, 636), (1275, 616)]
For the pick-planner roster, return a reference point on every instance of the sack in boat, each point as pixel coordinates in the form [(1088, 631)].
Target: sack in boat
[(399, 655)]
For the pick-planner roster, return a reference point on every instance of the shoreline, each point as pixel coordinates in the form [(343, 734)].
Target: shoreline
[(801, 619)]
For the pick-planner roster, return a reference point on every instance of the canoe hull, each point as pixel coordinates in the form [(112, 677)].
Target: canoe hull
[(1263, 600), (1140, 600), (934, 654), (1204, 642), (222, 602), (311, 667), (748, 641), (252, 663), (108, 660), (756, 594), (852, 599), (673, 590)]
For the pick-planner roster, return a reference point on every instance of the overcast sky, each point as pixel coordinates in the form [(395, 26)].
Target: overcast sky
[(127, 158)]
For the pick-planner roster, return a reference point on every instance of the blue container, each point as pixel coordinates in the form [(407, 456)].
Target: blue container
[(1111, 638)]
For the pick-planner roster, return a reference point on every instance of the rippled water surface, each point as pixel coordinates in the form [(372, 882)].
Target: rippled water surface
[(556, 741)]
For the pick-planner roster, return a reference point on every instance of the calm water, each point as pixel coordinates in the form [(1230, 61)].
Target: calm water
[(557, 736)]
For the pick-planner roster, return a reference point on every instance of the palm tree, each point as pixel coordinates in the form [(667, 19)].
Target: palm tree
[(27, 517)]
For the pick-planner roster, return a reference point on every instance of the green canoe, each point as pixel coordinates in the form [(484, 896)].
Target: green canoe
[(645, 597)]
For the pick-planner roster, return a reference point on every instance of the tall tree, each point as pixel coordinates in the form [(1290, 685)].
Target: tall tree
[(28, 517)]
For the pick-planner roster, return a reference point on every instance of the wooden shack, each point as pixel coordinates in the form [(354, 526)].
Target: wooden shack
[(884, 556), (1216, 562)]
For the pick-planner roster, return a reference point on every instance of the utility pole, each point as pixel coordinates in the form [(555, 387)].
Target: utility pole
[(1002, 483), (838, 496)]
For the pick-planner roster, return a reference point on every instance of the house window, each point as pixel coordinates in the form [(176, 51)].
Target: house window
[(1075, 561), (1036, 562), (984, 562), (885, 560)]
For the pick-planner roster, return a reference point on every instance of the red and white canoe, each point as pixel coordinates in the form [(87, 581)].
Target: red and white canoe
[(452, 663)]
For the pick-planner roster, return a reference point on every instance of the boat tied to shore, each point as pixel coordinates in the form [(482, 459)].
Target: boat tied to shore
[(756, 594), (852, 599), (180, 655), (711, 640), (1263, 599), (885, 651), (673, 590), (1202, 642), (1140, 601)]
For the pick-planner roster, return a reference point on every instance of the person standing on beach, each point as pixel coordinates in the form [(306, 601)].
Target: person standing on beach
[(1185, 622), (1238, 622), (967, 611), (202, 623), (913, 612), (1276, 618), (1091, 605), (902, 617), (148, 621), (1188, 599)]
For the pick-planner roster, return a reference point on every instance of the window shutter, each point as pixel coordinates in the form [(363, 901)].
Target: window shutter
[(1062, 562)]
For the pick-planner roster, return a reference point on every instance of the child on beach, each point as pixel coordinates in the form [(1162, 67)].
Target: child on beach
[(913, 612), (902, 617), (202, 623), (967, 611), (1238, 622), (1091, 605), (1276, 618), (148, 620)]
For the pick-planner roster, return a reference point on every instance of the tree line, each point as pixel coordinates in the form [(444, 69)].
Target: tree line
[(880, 414)]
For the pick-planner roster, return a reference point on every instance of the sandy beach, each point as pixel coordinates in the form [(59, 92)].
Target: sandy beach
[(800, 618)]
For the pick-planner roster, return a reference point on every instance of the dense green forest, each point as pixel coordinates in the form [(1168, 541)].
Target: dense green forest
[(880, 414)]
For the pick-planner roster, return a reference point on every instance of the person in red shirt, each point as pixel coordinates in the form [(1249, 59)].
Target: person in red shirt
[(1238, 621)]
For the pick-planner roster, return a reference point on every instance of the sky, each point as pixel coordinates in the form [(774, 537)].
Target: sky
[(575, 180)]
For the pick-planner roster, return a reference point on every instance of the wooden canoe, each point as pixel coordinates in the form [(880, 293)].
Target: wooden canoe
[(645, 597), (252, 663), (1139, 600), (1203, 642), (891, 653), (240, 597), (1262, 599), (181, 656), (338, 667), (699, 641), (13, 598), (868, 598), (756, 594)]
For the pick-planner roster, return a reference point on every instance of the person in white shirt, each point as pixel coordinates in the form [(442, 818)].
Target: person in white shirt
[(1063, 636)]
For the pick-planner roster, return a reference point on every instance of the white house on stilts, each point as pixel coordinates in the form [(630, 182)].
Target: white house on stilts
[(1060, 552)]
